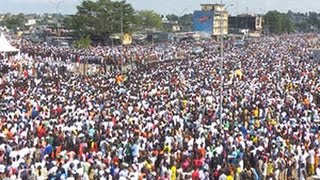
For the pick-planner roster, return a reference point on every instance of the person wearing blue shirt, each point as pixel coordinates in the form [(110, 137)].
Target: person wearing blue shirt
[(135, 151), (48, 149)]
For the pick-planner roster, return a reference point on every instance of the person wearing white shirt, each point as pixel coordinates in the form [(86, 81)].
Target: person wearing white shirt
[(222, 176), (303, 157), (318, 171)]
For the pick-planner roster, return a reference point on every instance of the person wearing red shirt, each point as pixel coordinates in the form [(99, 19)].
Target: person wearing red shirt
[(25, 73), (195, 175)]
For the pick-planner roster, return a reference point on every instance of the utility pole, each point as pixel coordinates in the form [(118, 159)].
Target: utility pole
[(237, 14), (222, 13), (122, 36), (180, 14), (122, 2), (221, 64), (247, 19), (266, 20), (58, 4), (237, 7)]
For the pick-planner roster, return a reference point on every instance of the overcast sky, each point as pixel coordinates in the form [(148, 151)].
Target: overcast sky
[(165, 6)]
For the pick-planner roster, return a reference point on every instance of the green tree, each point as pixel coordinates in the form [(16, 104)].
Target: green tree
[(305, 22), (149, 20), (186, 22), (172, 17), (301, 26), (101, 18), (83, 43), (279, 23), (14, 22), (287, 26), (313, 20)]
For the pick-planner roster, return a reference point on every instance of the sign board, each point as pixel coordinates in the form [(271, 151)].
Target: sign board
[(126, 39), (202, 21)]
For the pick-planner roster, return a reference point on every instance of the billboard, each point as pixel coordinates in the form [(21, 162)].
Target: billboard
[(243, 22), (203, 21), (126, 39)]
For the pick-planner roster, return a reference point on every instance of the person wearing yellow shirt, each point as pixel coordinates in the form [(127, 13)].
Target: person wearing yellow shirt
[(173, 172), (256, 112), (167, 149), (270, 169), (230, 177), (257, 124), (229, 174), (148, 165), (184, 103)]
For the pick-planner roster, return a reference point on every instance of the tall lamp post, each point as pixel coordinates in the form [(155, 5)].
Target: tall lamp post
[(58, 4), (122, 2), (180, 14), (122, 32), (267, 29), (222, 12), (237, 11)]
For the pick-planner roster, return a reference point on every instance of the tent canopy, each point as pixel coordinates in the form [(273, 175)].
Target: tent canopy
[(5, 46)]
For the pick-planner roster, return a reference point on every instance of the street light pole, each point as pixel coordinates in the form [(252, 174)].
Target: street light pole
[(221, 64), (266, 18), (237, 7), (222, 13), (57, 4), (180, 14), (122, 2), (122, 18)]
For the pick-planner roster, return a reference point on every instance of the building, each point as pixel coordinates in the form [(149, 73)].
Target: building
[(212, 18), (246, 23), (31, 22), (171, 26)]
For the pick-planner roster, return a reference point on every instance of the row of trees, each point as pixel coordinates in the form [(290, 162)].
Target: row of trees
[(185, 21), (18, 21), (103, 17), (13, 21), (305, 21), (99, 19), (277, 23)]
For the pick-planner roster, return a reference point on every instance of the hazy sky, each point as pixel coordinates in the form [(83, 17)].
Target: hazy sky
[(165, 6)]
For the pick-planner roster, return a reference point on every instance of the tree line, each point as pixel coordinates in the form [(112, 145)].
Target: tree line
[(278, 23), (99, 19), (102, 18)]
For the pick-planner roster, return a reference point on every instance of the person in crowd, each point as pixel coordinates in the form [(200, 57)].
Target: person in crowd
[(163, 120)]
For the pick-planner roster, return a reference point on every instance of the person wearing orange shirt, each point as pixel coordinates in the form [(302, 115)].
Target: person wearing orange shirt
[(119, 79)]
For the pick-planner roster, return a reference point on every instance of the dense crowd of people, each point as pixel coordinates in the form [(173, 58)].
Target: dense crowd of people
[(114, 55), (162, 121)]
